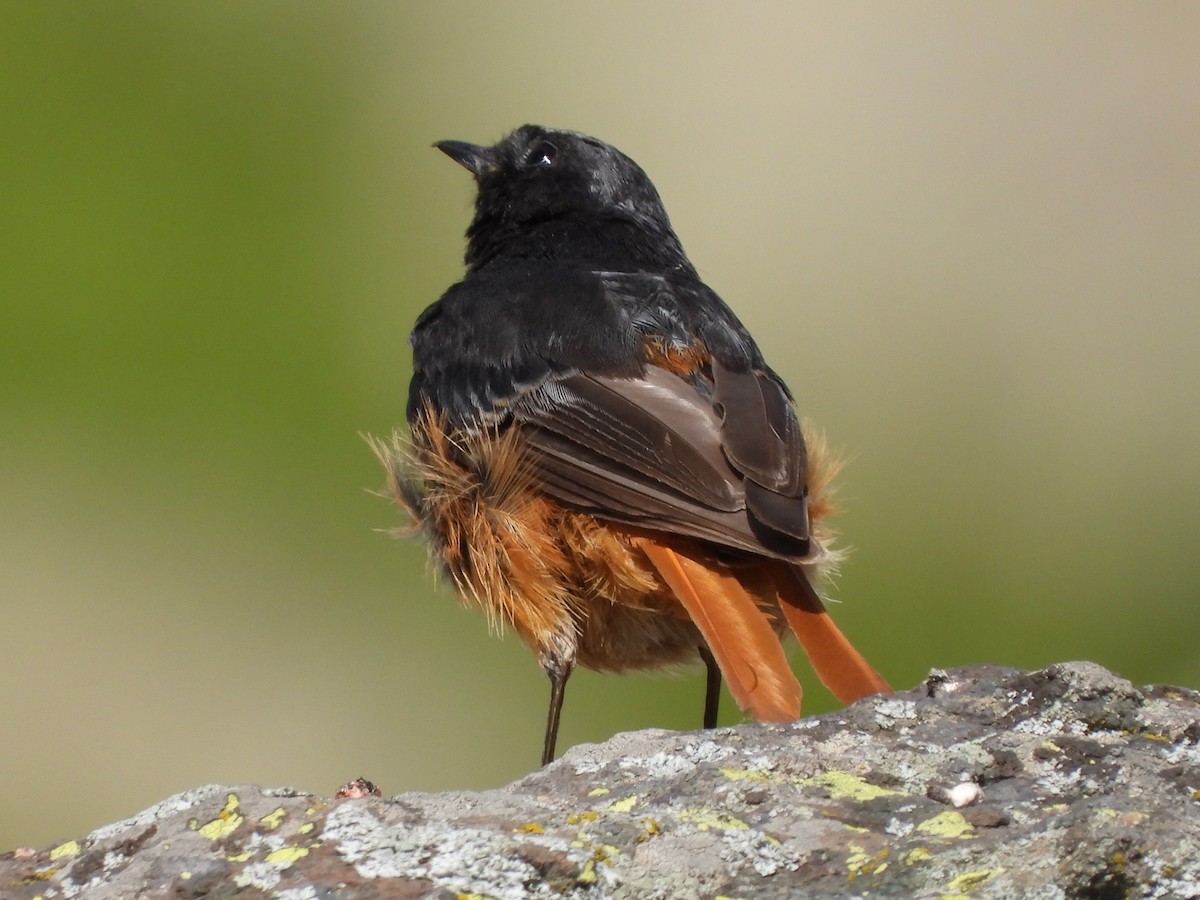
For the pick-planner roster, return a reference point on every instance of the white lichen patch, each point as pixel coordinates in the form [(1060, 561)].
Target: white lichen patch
[(847, 742), (308, 892), (1049, 726), (890, 712), (261, 875), (465, 860), (660, 765), (1068, 783), (588, 766), (751, 848), (760, 763), (1179, 873), (1181, 754), (898, 828)]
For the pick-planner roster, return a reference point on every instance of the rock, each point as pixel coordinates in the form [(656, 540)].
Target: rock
[(981, 782)]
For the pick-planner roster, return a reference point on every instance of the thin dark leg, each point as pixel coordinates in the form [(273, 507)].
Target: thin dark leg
[(559, 672), (712, 688)]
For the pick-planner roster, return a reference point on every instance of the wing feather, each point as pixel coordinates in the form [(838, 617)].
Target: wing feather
[(656, 424), (652, 451)]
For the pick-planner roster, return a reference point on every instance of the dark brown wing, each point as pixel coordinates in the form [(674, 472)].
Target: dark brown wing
[(657, 452)]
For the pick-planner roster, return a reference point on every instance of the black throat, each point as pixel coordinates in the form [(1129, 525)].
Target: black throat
[(589, 241)]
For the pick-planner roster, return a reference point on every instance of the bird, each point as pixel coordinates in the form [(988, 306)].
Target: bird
[(597, 453)]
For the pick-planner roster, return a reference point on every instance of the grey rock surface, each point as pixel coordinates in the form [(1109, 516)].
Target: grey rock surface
[(981, 782)]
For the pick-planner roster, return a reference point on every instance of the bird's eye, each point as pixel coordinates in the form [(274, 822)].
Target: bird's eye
[(543, 153)]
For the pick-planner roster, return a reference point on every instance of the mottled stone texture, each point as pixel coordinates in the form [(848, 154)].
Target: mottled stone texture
[(1087, 787)]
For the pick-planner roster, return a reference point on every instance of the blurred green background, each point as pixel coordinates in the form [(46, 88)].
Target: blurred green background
[(967, 235)]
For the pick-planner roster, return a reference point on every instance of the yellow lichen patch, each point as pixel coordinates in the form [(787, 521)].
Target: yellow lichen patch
[(650, 828), (757, 775), (605, 852), (285, 856), (844, 786), (185, 875), (597, 792), (273, 819), (968, 881), (916, 855), (949, 824), (588, 874), (530, 828), (624, 805), (70, 848), (226, 822), (240, 857), (704, 819), (859, 862), (589, 815), (305, 828), (1051, 746)]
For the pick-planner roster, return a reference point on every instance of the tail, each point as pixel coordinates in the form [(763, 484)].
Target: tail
[(840, 667), (727, 610), (736, 630)]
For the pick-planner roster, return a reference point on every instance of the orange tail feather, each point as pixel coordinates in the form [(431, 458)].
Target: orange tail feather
[(840, 667), (738, 634)]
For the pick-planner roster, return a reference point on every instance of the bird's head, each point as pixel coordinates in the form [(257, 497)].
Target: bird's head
[(547, 193)]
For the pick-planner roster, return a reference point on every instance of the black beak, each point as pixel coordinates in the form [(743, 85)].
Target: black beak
[(477, 160)]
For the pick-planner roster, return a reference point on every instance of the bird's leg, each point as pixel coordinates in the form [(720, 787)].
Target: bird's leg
[(559, 671), (712, 688)]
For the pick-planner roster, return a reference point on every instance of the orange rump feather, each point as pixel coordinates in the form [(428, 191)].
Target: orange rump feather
[(736, 630), (840, 667)]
